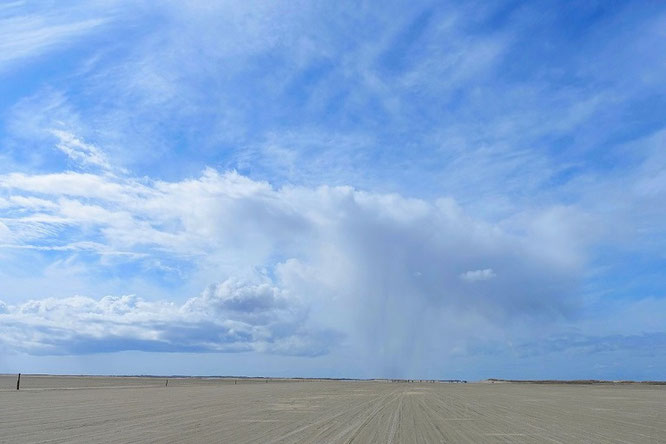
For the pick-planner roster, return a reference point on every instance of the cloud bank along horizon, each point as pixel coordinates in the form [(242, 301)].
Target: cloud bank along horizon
[(340, 251), (326, 203)]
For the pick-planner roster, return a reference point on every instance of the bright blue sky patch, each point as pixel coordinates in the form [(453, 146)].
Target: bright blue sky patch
[(397, 190)]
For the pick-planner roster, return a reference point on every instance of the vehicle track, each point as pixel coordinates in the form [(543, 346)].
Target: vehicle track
[(328, 412)]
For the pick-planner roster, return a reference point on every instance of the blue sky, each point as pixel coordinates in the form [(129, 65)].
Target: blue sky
[(411, 189)]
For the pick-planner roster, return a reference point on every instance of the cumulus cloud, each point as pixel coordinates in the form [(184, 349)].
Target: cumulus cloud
[(306, 100), (382, 271), (230, 316)]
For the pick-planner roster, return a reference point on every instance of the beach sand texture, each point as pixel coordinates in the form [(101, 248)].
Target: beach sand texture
[(125, 409)]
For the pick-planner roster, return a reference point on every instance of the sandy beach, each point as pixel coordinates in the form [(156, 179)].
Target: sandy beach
[(138, 409)]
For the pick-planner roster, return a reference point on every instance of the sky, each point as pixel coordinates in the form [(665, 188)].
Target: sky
[(333, 189)]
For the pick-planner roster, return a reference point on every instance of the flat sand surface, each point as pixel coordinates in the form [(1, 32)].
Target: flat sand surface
[(103, 409)]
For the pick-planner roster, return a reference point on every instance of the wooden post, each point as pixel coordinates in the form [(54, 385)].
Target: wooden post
[(167, 383), (18, 382)]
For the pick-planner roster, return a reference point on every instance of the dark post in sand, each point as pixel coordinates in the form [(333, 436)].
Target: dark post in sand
[(18, 382)]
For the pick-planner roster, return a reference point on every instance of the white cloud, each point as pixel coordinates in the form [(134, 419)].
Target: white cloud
[(80, 151), (5, 233), (227, 317), (26, 36), (80, 185), (305, 99), (478, 275), (381, 270)]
